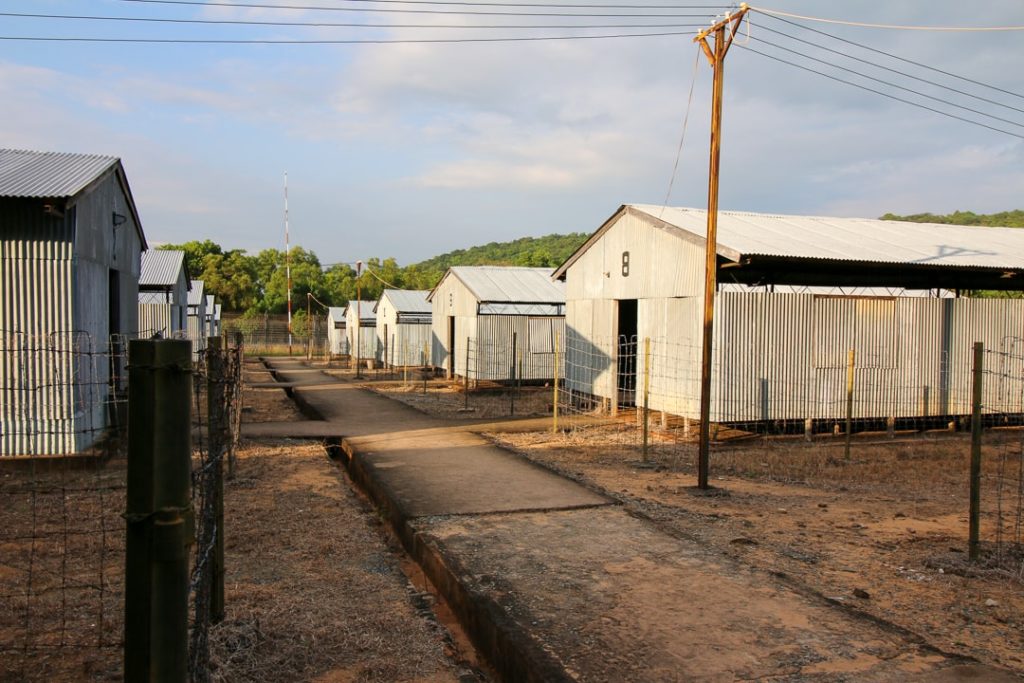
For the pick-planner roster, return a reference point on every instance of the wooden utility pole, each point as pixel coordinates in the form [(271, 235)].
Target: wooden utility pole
[(723, 32)]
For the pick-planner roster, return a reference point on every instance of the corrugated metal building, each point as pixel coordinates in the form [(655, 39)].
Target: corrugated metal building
[(163, 294), (403, 327), (70, 240), (211, 311), (479, 312), (784, 322), (366, 326), (198, 327), (216, 320), (337, 339)]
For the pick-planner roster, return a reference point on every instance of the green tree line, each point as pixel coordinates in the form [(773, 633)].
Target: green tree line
[(246, 283)]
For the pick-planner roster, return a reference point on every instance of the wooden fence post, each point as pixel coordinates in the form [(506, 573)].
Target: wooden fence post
[(975, 505), (849, 400)]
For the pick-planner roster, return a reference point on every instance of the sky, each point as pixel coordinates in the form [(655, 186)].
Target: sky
[(410, 150)]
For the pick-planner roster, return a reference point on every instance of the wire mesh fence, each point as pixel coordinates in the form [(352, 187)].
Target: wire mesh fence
[(62, 489), (62, 544), (853, 426)]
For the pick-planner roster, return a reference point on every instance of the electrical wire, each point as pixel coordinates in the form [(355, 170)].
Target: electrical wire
[(471, 12), (320, 24), (890, 69), (420, 2), (883, 94), (383, 41), (891, 84), (385, 282), (682, 137), (894, 56), (900, 27)]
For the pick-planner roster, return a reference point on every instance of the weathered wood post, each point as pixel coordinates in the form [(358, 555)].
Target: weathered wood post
[(465, 378), (217, 427), (849, 401), (512, 377), (158, 511), (973, 542)]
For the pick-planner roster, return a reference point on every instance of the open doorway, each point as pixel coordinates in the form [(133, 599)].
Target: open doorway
[(626, 352), (451, 346)]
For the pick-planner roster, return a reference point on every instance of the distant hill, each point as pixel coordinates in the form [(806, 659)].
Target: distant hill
[(538, 252), (1004, 219)]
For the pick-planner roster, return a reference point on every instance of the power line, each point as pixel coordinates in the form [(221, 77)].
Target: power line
[(900, 27), (879, 92), (331, 8), (472, 12), (682, 136), (894, 56), (890, 69), (214, 41), (889, 83), (319, 24)]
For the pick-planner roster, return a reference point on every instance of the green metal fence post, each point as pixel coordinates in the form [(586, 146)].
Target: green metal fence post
[(158, 511)]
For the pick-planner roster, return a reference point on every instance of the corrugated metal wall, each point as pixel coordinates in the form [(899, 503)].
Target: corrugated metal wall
[(408, 344), (784, 356), (37, 411), (155, 318), (492, 356), (54, 318)]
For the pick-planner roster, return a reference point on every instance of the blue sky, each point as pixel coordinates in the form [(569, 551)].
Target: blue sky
[(411, 150)]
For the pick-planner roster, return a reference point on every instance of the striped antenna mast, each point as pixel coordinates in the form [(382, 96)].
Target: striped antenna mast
[(288, 262)]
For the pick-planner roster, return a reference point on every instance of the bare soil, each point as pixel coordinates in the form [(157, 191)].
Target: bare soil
[(451, 402), (314, 591), (314, 587), (883, 533)]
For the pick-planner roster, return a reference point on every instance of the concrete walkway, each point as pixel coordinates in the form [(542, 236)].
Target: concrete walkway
[(556, 583)]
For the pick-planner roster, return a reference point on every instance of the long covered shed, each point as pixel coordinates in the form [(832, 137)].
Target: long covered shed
[(796, 294), (403, 327), (163, 294), (503, 321), (70, 245)]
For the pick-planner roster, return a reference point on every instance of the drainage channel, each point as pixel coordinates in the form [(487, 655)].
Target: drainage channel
[(425, 595)]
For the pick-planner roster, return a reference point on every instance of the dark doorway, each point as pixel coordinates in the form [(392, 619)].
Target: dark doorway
[(451, 346), (626, 358)]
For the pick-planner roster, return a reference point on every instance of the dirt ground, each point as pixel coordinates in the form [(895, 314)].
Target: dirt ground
[(314, 591), (314, 586), (451, 402), (884, 534)]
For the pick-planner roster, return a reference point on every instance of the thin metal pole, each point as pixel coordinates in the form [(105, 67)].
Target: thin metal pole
[(512, 378), (554, 403), (288, 262), (849, 401), (465, 379), (359, 306), (647, 391), (975, 510)]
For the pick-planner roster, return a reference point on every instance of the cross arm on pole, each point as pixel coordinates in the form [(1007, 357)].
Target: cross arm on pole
[(732, 21)]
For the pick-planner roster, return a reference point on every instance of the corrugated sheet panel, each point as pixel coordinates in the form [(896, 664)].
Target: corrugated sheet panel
[(406, 300), (850, 239), (161, 268), (156, 318), (510, 284), (407, 344), (366, 311), (38, 366), (26, 173), (514, 346), (196, 295)]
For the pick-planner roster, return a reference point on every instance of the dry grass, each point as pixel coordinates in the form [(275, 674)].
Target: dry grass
[(313, 590), (451, 402)]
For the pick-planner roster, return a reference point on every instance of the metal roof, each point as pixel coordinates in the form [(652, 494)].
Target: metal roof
[(25, 173), (365, 310), (210, 306), (216, 311), (161, 268), (195, 295), (407, 300), (336, 313), (508, 284), (850, 239)]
